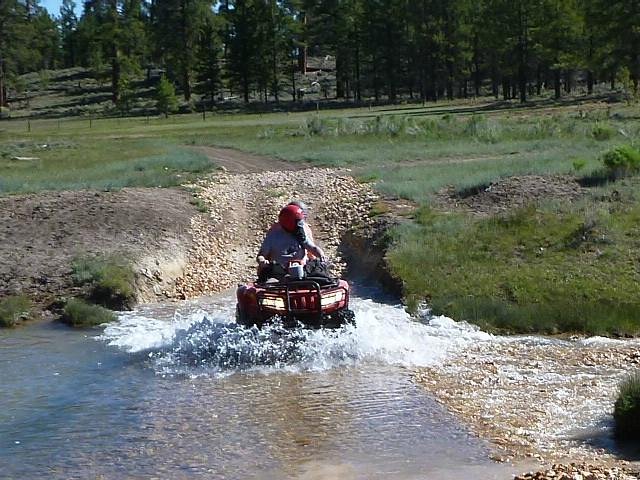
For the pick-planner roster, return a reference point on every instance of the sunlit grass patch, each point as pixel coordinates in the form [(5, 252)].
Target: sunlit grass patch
[(110, 281), (534, 270), (79, 313), (98, 164), (626, 411), (14, 309)]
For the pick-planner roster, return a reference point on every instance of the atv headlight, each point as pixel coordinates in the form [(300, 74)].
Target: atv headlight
[(273, 303), (332, 298)]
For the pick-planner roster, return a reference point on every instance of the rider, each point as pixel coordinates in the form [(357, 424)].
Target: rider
[(305, 210), (286, 241)]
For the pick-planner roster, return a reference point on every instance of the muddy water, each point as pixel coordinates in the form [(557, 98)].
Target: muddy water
[(181, 392)]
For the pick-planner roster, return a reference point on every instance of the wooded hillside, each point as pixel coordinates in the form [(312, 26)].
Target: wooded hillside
[(377, 49)]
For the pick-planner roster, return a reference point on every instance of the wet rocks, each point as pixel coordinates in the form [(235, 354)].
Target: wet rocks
[(535, 397), (574, 471)]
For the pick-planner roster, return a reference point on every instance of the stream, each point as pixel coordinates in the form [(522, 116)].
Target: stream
[(179, 391)]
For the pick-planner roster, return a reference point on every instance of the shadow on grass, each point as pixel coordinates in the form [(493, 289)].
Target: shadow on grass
[(560, 315)]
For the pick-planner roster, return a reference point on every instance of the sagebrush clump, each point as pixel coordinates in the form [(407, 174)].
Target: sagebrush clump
[(622, 160), (110, 282), (13, 309), (626, 411), (79, 313)]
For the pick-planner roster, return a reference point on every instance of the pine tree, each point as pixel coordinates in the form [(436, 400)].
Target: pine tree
[(176, 27), (166, 100), (208, 59), (68, 25)]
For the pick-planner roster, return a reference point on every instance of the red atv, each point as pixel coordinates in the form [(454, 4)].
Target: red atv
[(315, 302)]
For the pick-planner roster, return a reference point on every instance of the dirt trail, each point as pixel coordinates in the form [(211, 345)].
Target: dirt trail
[(235, 161)]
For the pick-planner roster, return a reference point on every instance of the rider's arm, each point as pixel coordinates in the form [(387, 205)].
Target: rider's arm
[(314, 249), (264, 255)]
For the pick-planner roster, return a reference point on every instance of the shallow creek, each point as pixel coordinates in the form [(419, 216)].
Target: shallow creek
[(179, 391)]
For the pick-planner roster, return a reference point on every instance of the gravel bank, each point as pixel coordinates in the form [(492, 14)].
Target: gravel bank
[(243, 206), (533, 397)]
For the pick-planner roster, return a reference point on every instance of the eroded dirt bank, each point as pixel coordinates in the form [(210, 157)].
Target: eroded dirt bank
[(41, 234)]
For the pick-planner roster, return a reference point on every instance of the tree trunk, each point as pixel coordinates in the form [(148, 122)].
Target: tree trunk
[(589, 82), (358, 93), (339, 76), (568, 81), (557, 84), (522, 82), (115, 78), (274, 55), (293, 80), (3, 89), (477, 81), (245, 85), (186, 82), (506, 88), (612, 79), (302, 50)]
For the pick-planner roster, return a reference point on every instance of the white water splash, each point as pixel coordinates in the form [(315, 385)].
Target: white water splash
[(206, 341)]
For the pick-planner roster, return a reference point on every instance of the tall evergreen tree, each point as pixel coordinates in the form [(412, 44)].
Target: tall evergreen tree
[(177, 25), (68, 33), (208, 59)]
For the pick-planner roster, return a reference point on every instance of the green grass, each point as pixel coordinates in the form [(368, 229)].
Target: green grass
[(110, 281), (79, 313), (626, 412), (14, 309), (95, 164), (548, 269)]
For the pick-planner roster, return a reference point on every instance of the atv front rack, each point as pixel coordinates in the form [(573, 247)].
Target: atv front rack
[(276, 291)]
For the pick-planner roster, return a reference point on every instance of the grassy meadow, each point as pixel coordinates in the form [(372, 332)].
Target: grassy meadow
[(548, 268)]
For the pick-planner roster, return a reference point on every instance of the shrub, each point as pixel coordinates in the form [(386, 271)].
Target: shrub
[(166, 100), (317, 126), (477, 127), (13, 309), (602, 132), (626, 413), (111, 282), (579, 164), (79, 313), (623, 159)]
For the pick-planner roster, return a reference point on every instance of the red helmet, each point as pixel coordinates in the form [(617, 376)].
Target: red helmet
[(290, 216)]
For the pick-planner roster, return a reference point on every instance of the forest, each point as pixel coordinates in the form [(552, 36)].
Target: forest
[(382, 50)]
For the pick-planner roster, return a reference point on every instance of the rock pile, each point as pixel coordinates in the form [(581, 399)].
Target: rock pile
[(576, 471), (242, 207)]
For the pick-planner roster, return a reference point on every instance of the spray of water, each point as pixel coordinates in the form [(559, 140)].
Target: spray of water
[(207, 341)]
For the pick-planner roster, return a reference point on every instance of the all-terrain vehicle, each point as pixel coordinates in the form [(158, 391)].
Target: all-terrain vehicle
[(313, 302)]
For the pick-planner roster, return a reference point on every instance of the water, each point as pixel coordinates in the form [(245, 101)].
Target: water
[(187, 394)]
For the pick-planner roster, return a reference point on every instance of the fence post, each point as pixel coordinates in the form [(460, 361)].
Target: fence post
[(28, 125), (90, 122)]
